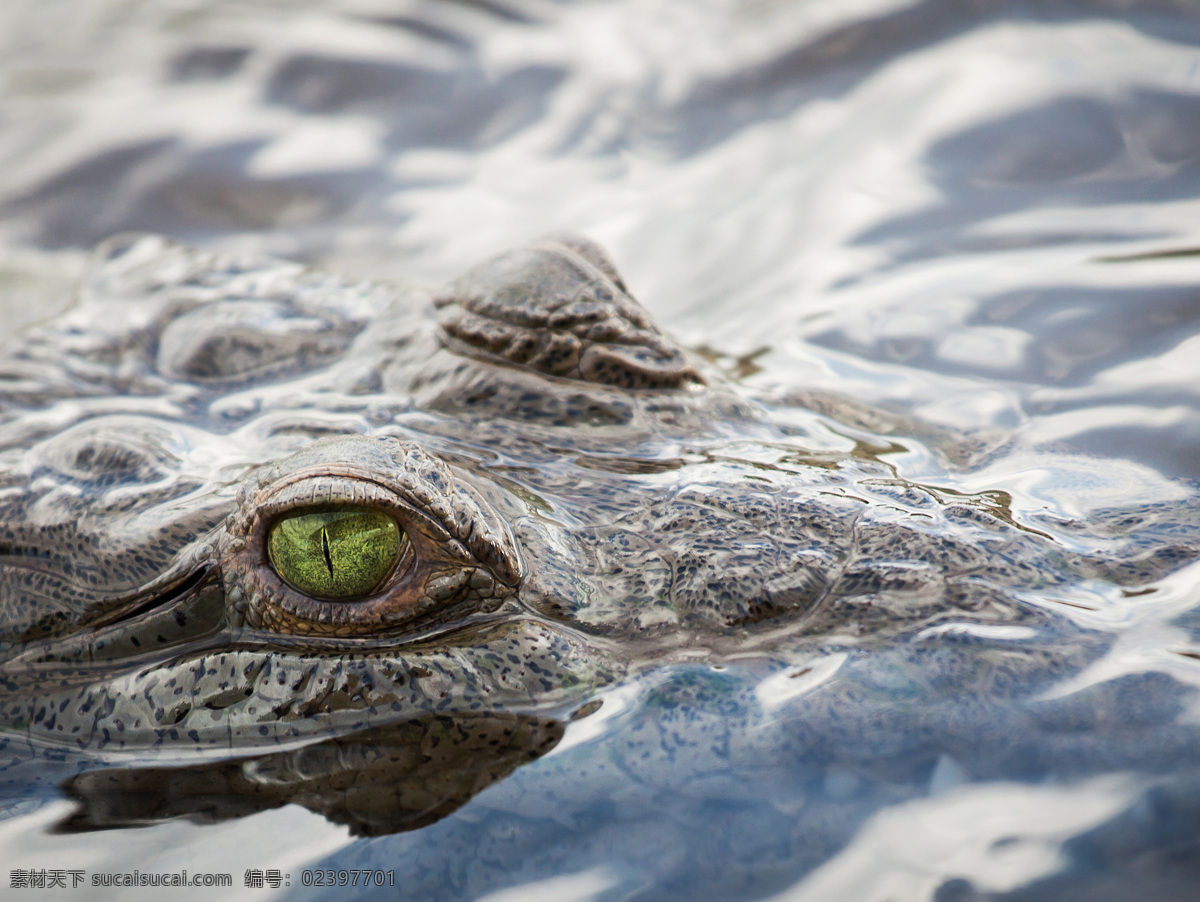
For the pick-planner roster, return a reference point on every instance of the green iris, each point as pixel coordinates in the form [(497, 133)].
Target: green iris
[(341, 552)]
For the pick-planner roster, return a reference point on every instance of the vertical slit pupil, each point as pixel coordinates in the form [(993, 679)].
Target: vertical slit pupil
[(325, 549), (339, 552)]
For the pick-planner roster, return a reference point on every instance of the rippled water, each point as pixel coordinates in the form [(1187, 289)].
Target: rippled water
[(980, 217)]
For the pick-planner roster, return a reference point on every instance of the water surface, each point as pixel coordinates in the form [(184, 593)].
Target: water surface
[(978, 218)]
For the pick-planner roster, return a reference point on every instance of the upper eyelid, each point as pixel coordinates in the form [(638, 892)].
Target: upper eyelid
[(318, 490)]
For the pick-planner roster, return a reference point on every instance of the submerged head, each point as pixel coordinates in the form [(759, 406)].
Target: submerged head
[(249, 508)]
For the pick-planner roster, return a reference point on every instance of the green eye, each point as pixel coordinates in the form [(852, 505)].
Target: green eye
[(343, 552)]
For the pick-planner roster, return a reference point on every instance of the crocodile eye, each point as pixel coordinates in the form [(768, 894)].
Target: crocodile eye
[(341, 552), (357, 535)]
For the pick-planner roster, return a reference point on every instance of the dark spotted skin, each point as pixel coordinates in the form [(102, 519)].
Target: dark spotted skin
[(585, 500)]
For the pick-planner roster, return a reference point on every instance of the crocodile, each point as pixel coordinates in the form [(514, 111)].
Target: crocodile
[(270, 533)]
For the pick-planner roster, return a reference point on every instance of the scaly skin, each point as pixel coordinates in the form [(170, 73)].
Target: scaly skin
[(581, 498)]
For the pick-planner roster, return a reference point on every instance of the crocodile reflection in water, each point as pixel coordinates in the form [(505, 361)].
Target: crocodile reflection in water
[(378, 781), (257, 520)]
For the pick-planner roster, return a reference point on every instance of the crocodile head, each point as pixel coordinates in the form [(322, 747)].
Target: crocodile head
[(267, 522)]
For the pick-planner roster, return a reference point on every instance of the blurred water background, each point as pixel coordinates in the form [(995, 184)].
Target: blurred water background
[(979, 214)]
